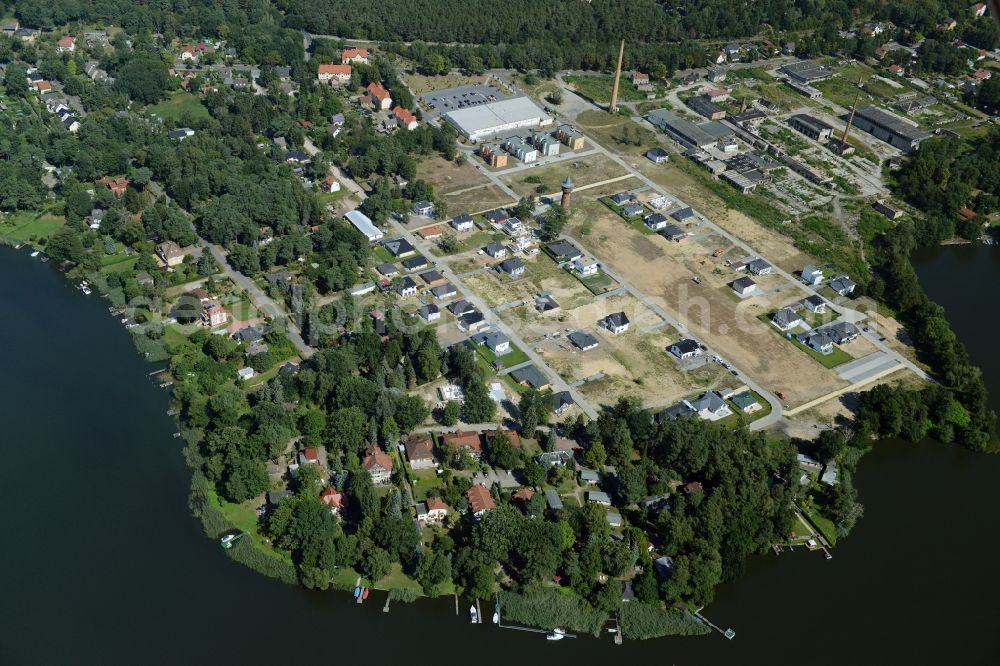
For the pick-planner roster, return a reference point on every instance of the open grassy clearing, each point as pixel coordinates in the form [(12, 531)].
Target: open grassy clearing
[(421, 83), (597, 87), (180, 107), (547, 179), (30, 227)]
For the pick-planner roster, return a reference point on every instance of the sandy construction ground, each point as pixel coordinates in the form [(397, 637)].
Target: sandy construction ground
[(663, 271)]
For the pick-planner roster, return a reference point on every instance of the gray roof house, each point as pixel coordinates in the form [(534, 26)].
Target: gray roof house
[(786, 318), (495, 250), (598, 497), (759, 267), (563, 251), (812, 275), (744, 286), (632, 209), (445, 291), (513, 267), (842, 284), (583, 340), (683, 214), (685, 348), (561, 402), (814, 303), (552, 499), (710, 406), (616, 322), (398, 247), (531, 376), (842, 332)]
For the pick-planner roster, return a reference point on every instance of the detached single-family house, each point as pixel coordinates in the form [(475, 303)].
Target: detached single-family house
[(171, 253), (531, 376), (244, 374), (571, 137), (405, 118), (378, 464), (586, 266), (495, 250), (683, 214), (673, 233), (817, 340), (513, 267), (598, 497), (430, 312), (432, 278), (330, 185), (632, 209), (385, 269), (335, 75), (379, 97), (561, 402), (710, 407), (842, 284), (463, 223), (621, 198), (812, 275), (759, 267), (656, 221), (66, 45), (469, 442), (814, 304), (842, 332), (497, 342), (582, 340), (480, 500), (399, 247), (563, 251), (354, 55), (417, 263), (657, 155), (616, 322), (553, 500), (684, 349), (744, 286), (406, 287), (433, 511), (334, 499), (180, 133), (746, 402), (420, 452), (786, 318), (444, 292)]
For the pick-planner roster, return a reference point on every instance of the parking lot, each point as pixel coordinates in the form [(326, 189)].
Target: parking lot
[(443, 101)]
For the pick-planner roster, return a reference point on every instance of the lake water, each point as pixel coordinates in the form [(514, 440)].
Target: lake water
[(103, 564)]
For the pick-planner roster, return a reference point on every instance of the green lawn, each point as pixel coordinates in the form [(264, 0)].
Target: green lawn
[(179, 106), (837, 357), (636, 222), (466, 242), (29, 227), (514, 357), (245, 519), (597, 284), (383, 255)]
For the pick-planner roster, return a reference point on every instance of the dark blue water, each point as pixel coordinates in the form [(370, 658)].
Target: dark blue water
[(103, 564)]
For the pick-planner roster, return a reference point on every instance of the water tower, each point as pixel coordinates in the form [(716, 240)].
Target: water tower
[(567, 189)]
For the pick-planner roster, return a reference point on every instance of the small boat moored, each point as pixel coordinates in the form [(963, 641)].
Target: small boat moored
[(228, 540), (556, 634), (496, 617), (364, 593), (357, 592), (473, 615)]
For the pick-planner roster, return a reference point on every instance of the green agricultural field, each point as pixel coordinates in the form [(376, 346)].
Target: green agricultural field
[(179, 106)]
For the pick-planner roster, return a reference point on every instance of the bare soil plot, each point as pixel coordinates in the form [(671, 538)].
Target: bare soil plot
[(663, 271), (775, 247), (420, 84), (584, 171), (447, 176), (541, 273), (478, 199)]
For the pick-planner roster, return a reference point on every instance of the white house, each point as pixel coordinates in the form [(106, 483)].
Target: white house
[(586, 266), (812, 275), (462, 223), (243, 374), (498, 343), (616, 322), (364, 224)]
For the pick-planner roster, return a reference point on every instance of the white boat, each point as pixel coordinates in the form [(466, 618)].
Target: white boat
[(86, 290), (35, 253), (227, 541), (473, 615), (556, 634), (496, 617)]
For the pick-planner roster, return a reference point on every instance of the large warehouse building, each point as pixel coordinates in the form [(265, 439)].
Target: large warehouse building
[(889, 128), (488, 120)]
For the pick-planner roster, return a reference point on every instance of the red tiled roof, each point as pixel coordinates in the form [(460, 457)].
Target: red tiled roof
[(430, 232), (334, 69), (377, 91), (966, 213), (333, 498), (523, 495), (353, 53), (514, 438), (67, 41), (436, 503), (479, 499), (376, 456), (464, 440), (404, 116), (310, 453)]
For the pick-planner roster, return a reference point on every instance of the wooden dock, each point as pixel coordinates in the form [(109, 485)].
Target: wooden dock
[(728, 633)]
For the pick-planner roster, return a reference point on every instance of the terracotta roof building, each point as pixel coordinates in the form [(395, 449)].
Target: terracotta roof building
[(480, 500), (378, 464)]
